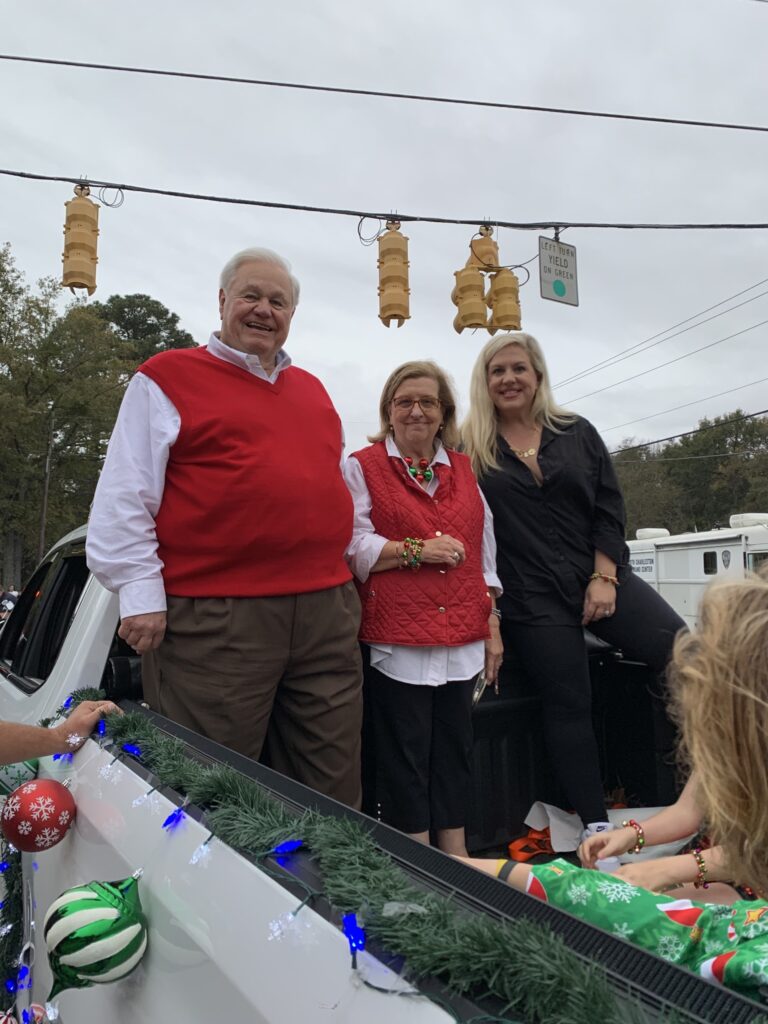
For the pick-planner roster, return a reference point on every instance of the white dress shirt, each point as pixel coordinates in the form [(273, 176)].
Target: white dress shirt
[(429, 666), (122, 543)]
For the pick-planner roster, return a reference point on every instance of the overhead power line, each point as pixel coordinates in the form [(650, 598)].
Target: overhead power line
[(381, 94), (687, 405), (403, 217), (635, 349), (669, 362), (690, 433), (691, 458)]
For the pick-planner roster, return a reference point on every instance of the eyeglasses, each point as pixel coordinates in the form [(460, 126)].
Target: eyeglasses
[(427, 404)]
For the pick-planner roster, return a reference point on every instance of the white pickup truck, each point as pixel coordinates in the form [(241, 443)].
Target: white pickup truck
[(224, 940)]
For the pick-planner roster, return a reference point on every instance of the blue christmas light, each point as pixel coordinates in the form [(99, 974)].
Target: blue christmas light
[(25, 1017), (173, 819), (63, 757), (355, 934), (101, 728), (10, 985), (4, 865), (69, 701), (35, 866), (131, 748), (288, 846)]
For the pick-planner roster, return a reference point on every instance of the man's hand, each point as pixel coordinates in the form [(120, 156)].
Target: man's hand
[(72, 733), (143, 632)]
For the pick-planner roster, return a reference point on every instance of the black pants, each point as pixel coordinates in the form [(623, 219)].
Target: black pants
[(554, 658), (417, 752)]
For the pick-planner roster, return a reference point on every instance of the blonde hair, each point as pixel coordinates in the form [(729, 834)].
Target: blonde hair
[(480, 428), (449, 432), (719, 682)]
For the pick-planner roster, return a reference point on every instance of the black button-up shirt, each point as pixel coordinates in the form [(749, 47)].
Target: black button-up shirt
[(547, 534)]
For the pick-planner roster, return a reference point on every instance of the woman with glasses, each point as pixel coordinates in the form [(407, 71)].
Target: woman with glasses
[(424, 556)]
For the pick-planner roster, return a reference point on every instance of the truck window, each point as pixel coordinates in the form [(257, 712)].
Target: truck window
[(710, 563), (756, 559), (32, 638)]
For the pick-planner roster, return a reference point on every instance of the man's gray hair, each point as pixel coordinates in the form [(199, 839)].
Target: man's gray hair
[(258, 256)]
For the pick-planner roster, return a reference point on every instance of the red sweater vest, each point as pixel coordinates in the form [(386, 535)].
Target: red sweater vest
[(435, 606), (254, 501)]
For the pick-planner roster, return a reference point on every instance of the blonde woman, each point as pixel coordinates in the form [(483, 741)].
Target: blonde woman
[(719, 684), (562, 558)]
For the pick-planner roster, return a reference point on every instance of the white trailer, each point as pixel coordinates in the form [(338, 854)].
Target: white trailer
[(680, 566)]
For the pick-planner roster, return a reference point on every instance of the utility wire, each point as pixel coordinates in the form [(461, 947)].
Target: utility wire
[(669, 362), (687, 405), (690, 458), (381, 94), (690, 433), (402, 217), (626, 352)]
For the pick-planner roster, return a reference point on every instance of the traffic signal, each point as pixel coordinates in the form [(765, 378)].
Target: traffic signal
[(468, 295), (81, 229), (504, 301), (393, 275), (483, 251)]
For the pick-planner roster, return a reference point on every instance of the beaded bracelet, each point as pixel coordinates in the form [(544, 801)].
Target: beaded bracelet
[(700, 881), (604, 576), (412, 548), (639, 834)]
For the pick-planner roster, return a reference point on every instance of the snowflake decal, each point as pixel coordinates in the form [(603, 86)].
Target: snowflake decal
[(29, 788), (74, 739), (47, 837), (41, 808), (12, 805), (713, 947), (757, 971), (578, 894), (616, 892), (24, 828), (623, 931), (670, 947), (64, 817)]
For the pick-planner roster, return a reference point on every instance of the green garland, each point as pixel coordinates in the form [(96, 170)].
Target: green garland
[(521, 963)]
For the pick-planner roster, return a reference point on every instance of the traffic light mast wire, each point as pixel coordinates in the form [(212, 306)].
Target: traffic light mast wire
[(548, 225), (381, 94)]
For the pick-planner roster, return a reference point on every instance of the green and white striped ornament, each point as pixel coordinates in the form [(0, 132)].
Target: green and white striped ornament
[(95, 934)]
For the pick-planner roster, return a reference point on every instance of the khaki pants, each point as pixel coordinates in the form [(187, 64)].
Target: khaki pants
[(274, 676)]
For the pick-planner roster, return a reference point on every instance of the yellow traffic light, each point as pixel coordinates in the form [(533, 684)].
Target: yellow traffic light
[(484, 252), (504, 301), (503, 296), (468, 295), (81, 229), (393, 276)]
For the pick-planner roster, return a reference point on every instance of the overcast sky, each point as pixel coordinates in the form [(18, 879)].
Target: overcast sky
[(693, 59)]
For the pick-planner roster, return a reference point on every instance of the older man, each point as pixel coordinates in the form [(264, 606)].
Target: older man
[(221, 519)]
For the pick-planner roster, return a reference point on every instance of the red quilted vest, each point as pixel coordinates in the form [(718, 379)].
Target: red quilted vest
[(435, 606)]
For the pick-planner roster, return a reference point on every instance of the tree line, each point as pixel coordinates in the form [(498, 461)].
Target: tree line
[(697, 482), (62, 377)]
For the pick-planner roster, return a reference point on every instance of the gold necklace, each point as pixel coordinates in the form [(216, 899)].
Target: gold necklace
[(524, 453)]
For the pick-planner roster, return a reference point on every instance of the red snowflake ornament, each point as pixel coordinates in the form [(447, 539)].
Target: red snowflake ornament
[(37, 815)]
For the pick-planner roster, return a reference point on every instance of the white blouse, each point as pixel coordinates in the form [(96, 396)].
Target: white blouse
[(427, 666)]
